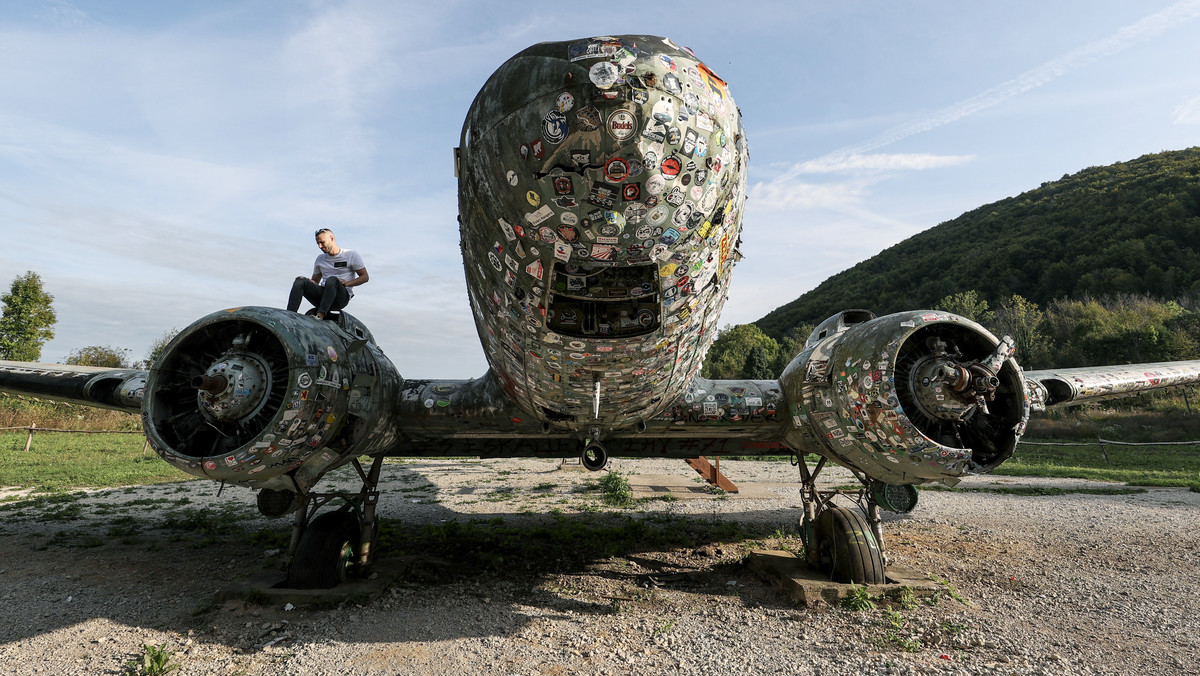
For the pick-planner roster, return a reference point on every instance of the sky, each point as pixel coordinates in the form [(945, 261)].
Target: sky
[(160, 161)]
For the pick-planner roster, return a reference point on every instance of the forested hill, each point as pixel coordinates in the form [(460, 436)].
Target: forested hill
[(1132, 227)]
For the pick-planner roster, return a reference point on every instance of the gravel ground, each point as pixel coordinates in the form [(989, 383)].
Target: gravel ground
[(1078, 583)]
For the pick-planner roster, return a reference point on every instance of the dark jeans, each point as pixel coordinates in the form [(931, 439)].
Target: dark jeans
[(331, 296)]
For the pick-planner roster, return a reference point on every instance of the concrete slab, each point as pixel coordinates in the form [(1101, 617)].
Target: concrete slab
[(265, 587), (808, 587)]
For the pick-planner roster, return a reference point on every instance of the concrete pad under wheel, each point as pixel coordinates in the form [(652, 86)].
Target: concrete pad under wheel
[(265, 587), (807, 587)]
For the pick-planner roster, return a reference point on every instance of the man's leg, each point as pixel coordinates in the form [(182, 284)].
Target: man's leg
[(303, 287), (334, 297)]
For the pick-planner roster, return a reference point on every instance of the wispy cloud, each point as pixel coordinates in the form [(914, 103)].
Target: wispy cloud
[(1188, 112), (860, 156), (831, 164)]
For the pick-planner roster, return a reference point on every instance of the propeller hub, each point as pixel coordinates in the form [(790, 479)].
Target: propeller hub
[(233, 388)]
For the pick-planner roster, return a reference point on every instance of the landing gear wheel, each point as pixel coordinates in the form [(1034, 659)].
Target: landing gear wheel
[(326, 551), (846, 549)]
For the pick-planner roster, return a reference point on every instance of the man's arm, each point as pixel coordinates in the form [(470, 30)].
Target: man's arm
[(316, 278), (361, 279)]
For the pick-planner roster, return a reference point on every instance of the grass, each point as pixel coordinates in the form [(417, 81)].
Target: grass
[(1134, 465), (59, 462), (1034, 490)]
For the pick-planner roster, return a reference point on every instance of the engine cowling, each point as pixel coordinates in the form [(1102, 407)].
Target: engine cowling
[(269, 397), (907, 398)]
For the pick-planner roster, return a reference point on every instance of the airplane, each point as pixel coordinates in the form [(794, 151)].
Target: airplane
[(602, 183)]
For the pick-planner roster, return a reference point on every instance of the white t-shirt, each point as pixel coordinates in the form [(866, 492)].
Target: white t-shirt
[(343, 266)]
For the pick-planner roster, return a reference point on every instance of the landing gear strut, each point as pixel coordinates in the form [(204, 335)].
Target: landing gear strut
[(329, 547), (845, 543)]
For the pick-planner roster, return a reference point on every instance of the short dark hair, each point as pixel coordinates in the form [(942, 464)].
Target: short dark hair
[(323, 230)]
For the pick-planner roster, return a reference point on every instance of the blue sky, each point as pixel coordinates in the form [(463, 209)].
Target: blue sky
[(160, 161)]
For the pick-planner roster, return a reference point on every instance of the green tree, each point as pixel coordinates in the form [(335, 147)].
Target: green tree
[(157, 348), (99, 355), (727, 356), (967, 304), (28, 319), (758, 365), (1022, 320)]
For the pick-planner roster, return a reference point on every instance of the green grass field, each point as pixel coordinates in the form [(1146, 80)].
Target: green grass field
[(1135, 465), (62, 461)]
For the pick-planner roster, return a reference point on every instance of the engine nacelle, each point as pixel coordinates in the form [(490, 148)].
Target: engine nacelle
[(269, 397), (907, 398)]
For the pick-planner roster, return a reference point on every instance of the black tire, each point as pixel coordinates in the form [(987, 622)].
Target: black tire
[(847, 549), (327, 551)]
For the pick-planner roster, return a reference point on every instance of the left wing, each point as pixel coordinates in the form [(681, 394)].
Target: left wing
[(1051, 387), (119, 389)]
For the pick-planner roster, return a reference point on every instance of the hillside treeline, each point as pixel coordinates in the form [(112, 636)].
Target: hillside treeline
[(1117, 329), (1127, 228)]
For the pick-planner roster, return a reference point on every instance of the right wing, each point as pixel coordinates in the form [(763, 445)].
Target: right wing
[(1052, 387)]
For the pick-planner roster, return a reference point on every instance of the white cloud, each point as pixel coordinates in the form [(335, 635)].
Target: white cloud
[(880, 162), (1188, 112)]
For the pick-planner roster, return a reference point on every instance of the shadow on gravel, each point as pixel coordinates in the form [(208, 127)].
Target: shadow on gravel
[(155, 563)]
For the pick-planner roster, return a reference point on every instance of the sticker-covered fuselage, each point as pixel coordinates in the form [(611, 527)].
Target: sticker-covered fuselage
[(601, 187)]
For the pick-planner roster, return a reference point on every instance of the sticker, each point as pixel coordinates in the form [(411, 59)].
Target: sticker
[(604, 74), (630, 192), (616, 169), (554, 127), (566, 101), (533, 198), (304, 380), (622, 125), (332, 353), (563, 185)]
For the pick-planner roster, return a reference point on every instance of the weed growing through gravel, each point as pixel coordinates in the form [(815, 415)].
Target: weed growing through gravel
[(154, 661), (616, 489), (906, 597), (951, 591), (859, 600), (893, 626)]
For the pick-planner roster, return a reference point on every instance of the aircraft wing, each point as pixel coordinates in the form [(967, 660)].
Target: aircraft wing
[(1051, 387), (119, 389)]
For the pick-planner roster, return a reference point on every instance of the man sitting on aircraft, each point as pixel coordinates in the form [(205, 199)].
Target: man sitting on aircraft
[(334, 272)]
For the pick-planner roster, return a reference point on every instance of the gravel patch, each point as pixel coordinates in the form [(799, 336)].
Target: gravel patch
[(1079, 583)]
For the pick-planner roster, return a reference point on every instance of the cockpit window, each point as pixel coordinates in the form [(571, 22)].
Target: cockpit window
[(589, 300)]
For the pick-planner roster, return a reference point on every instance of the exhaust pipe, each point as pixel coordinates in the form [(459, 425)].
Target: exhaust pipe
[(594, 457)]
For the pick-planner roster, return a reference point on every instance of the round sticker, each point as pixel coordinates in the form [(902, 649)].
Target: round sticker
[(604, 74), (622, 126), (554, 127), (565, 102), (670, 167), (616, 169), (512, 178), (656, 184)]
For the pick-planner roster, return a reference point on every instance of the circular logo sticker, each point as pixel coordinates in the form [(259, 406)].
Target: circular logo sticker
[(671, 166), (656, 184), (616, 169), (604, 74), (554, 127), (622, 126)]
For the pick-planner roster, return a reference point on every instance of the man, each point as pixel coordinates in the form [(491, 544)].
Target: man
[(335, 272)]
